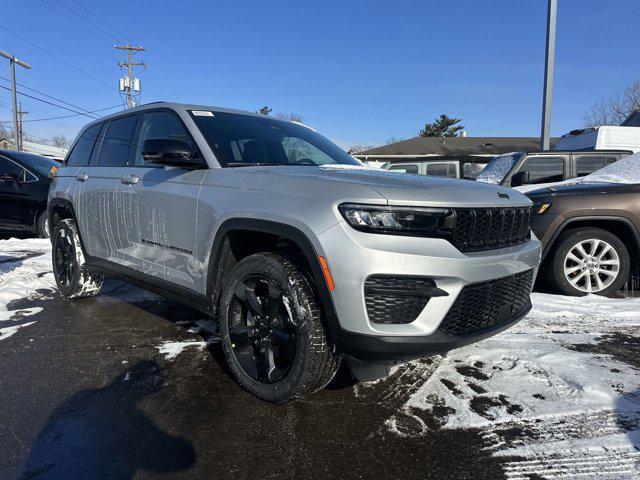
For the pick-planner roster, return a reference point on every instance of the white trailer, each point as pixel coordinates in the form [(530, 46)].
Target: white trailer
[(601, 138)]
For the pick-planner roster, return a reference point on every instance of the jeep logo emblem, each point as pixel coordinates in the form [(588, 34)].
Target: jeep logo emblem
[(503, 195)]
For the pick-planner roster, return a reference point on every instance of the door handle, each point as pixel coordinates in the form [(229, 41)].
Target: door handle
[(82, 177), (130, 179)]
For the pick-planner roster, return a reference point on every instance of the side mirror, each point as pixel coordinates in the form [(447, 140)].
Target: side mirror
[(519, 179), (169, 151)]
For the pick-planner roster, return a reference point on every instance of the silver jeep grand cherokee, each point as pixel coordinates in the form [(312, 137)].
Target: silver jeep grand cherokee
[(305, 256)]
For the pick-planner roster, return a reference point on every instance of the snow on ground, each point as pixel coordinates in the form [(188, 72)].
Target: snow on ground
[(553, 396), (25, 269), (542, 391)]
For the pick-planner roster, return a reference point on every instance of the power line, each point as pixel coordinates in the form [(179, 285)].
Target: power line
[(103, 21), (50, 103), (57, 57), (46, 95), (92, 32), (89, 21), (64, 116)]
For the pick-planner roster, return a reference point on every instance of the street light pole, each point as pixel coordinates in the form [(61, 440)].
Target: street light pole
[(13, 61), (549, 59)]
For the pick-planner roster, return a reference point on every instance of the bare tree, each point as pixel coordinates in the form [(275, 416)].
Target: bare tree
[(292, 117), (395, 140), (355, 149), (60, 141), (615, 109)]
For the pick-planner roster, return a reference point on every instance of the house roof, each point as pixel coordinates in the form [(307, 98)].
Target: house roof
[(458, 146), (40, 148)]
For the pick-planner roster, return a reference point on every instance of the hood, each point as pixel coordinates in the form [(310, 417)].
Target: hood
[(402, 188), (575, 189)]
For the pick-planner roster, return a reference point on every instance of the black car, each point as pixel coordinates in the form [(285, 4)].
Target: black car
[(24, 186)]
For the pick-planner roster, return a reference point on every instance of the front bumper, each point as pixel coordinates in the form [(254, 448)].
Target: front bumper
[(353, 256)]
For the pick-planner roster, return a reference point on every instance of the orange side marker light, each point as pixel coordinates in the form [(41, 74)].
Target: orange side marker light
[(327, 273)]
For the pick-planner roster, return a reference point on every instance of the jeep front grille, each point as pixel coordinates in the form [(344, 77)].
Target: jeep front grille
[(490, 228), (484, 305)]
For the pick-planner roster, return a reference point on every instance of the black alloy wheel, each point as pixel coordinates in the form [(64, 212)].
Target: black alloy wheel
[(64, 259), (263, 338)]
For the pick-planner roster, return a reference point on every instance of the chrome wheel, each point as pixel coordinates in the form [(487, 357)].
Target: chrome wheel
[(591, 265)]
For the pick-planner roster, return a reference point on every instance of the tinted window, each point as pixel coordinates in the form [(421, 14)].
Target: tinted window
[(7, 167), (543, 169), (81, 152), (116, 146), (160, 125), (472, 170), (238, 139), (588, 164), (40, 164), (441, 170), (405, 168)]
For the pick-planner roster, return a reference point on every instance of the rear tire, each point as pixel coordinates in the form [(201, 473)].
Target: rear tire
[(69, 267), (589, 261), (282, 333), (42, 225)]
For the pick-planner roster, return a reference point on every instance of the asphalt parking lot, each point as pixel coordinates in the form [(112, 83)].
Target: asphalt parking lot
[(129, 385)]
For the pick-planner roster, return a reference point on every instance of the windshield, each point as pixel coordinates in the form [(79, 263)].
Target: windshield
[(246, 140), (498, 167), (40, 164)]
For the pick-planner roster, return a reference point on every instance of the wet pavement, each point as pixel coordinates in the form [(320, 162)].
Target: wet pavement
[(86, 393)]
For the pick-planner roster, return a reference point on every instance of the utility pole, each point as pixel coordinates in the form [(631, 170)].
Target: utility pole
[(12, 62), (20, 129), (129, 84), (549, 60)]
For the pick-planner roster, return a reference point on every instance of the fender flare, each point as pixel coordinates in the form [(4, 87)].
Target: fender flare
[(290, 233), (612, 218)]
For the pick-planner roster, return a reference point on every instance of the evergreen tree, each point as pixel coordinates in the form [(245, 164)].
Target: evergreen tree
[(444, 126)]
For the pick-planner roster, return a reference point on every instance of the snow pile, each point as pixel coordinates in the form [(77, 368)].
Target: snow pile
[(497, 168), (25, 267), (625, 170)]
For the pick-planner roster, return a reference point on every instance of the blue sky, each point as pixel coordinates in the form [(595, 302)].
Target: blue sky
[(358, 71)]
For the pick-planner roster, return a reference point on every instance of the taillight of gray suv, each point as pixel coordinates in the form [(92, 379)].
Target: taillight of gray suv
[(304, 256)]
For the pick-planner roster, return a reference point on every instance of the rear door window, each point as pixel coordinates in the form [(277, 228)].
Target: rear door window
[(586, 164), (544, 169), (406, 168), (116, 146), (441, 170), (81, 152), (10, 170)]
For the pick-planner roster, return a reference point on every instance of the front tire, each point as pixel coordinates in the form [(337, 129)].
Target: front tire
[(271, 330), (589, 261), (69, 267)]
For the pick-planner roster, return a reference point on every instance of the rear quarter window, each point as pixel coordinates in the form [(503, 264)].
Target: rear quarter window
[(81, 153)]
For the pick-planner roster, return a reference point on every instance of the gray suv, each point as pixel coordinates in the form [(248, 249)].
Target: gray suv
[(303, 255)]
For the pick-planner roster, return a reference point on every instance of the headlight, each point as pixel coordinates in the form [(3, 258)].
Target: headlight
[(431, 222), (540, 208)]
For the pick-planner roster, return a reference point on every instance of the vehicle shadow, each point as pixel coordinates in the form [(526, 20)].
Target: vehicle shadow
[(103, 430)]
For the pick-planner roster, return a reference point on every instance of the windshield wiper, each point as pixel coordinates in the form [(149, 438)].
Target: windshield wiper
[(254, 164)]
